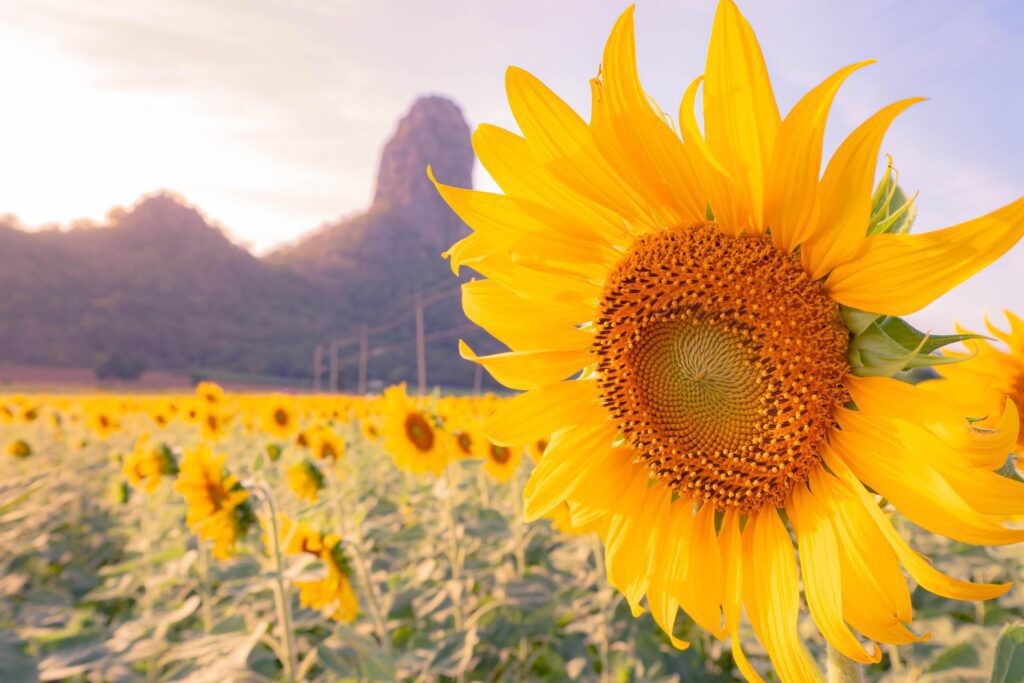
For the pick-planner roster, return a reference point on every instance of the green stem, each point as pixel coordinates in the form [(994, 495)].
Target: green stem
[(204, 587), (282, 599), (842, 669), (604, 599), (361, 568), (454, 556)]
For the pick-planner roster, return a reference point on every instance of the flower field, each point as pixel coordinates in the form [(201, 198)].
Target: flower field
[(216, 537)]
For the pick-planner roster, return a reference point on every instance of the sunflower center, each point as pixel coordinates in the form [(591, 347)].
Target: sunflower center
[(500, 454), (722, 363), (465, 442), (420, 433), (281, 417)]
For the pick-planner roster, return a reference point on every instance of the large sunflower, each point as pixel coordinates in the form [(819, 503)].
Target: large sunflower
[(682, 311)]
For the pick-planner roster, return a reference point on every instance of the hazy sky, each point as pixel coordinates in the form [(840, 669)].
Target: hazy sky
[(269, 114)]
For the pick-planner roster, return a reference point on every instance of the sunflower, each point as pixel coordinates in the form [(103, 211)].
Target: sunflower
[(148, 463), (213, 422), (332, 595), (326, 444), (501, 462), (210, 393), (411, 435), (704, 329), (305, 480), (279, 418), (217, 507), (992, 376), (103, 421), (19, 448)]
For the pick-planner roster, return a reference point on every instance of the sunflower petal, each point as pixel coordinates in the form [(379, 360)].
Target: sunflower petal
[(900, 274), (540, 412), (821, 571), (741, 118), (562, 142), (930, 578), (529, 369), (791, 191), (845, 194), (657, 157)]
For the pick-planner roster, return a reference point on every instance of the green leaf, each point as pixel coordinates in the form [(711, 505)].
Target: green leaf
[(1009, 667), (958, 656), (1009, 471)]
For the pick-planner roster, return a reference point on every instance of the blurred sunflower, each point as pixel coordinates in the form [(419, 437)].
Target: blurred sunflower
[(305, 480), (213, 422), (102, 420), (992, 376), (217, 507), (148, 463), (501, 462), (19, 448), (332, 595), (210, 392), (411, 435), (327, 444), (688, 315), (279, 418)]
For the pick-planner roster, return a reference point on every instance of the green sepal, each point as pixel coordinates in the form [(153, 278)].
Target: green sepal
[(857, 320), (891, 211), (889, 345)]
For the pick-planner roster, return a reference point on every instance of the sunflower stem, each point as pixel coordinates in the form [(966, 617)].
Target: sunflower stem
[(604, 599), (361, 568), (454, 554), (282, 599), (841, 669), (203, 561)]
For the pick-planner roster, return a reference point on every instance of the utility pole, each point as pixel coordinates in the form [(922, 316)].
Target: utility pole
[(362, 360), (421, 353), (318, 366), (332, 381), (478, 379)]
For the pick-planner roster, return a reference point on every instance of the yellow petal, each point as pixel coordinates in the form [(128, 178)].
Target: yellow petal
[(529, 369), (719, 187), (669, 568), (657, 158), (701, 595), (542, 411), (822, 573), (741, 118), (562, 142), (900, 274), (524, 226), (523, 324), (571, 454), (845, 194), (469, 250), (791, 190), (509, 161), (930, 578), (777, 601), (919, 493)]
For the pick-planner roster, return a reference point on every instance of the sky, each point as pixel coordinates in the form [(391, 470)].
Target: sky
[(269, 115)]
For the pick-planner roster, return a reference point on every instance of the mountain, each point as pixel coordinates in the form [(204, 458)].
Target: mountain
[(160, 284)]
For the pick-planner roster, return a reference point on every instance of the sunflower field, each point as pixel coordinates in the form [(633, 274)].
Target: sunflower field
[(218, 536)]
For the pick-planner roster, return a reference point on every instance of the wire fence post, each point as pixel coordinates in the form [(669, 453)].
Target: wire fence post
[(318, 366), (362, 360), (421, 353), (332, 381)]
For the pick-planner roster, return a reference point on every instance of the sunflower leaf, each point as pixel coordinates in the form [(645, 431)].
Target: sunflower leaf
[(1009, 664)]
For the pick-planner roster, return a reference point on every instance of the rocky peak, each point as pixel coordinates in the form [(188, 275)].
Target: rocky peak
[(433, 133)]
